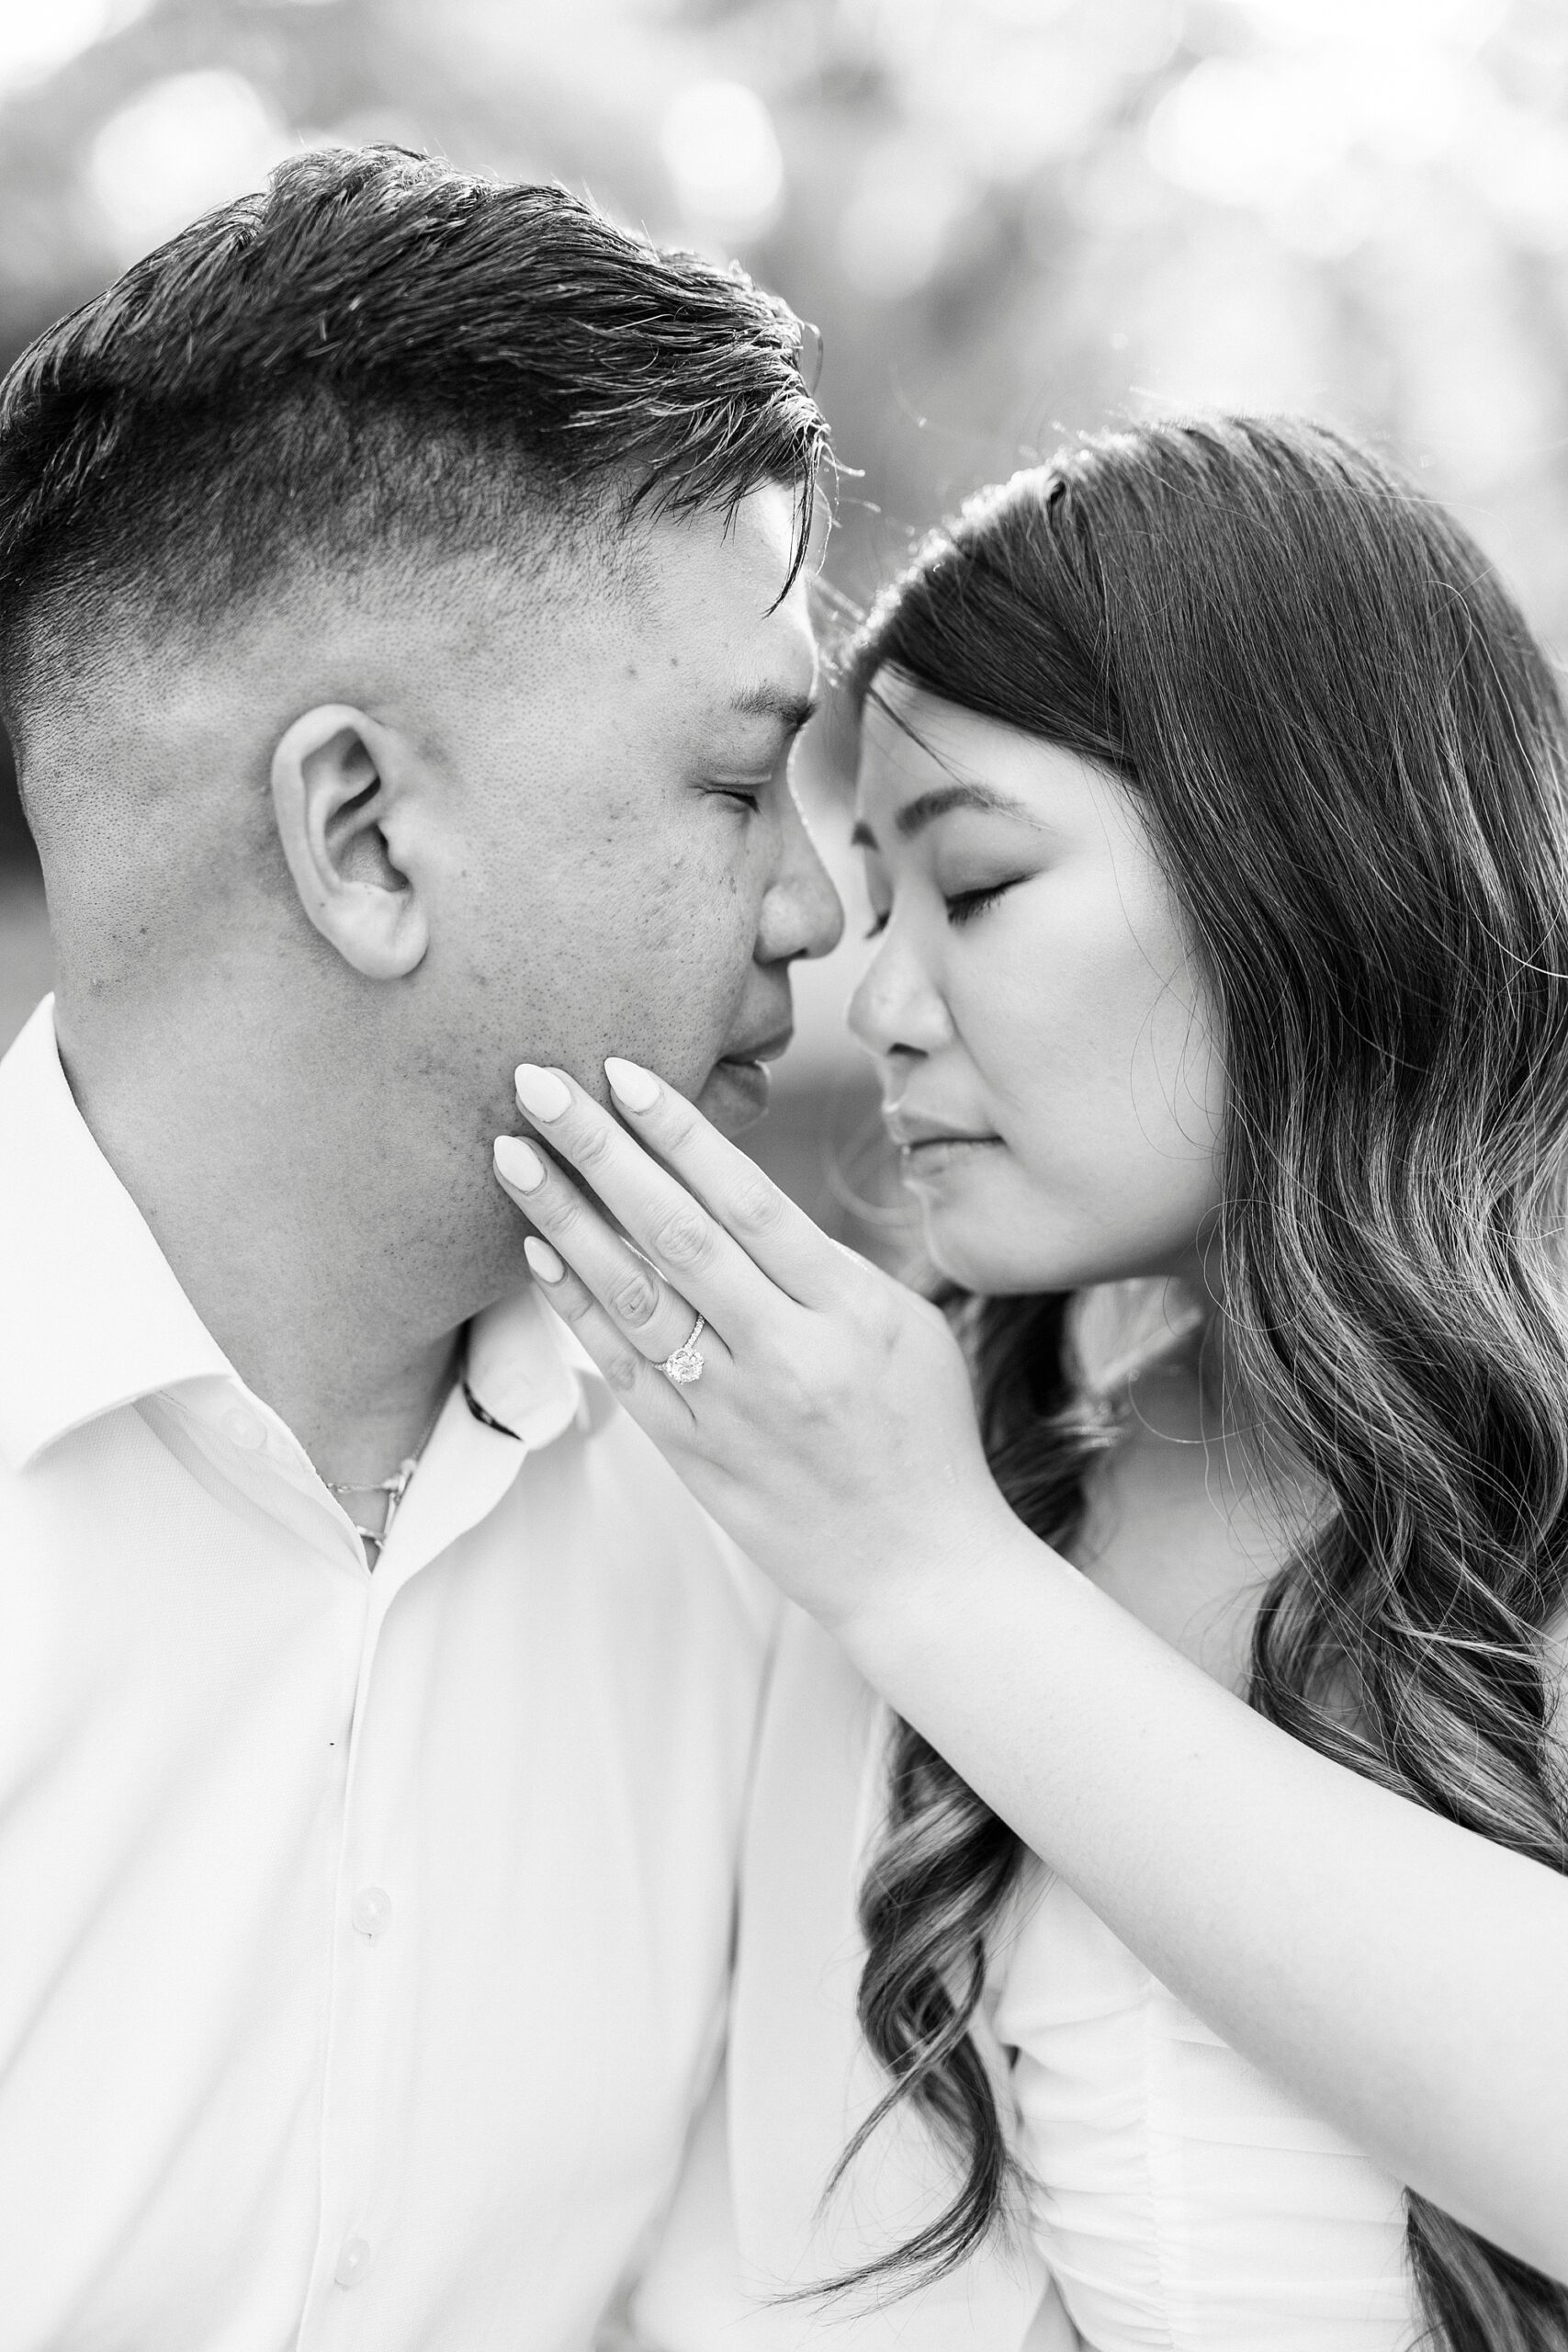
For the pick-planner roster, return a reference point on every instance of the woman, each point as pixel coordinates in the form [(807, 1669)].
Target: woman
[(1213, 799)]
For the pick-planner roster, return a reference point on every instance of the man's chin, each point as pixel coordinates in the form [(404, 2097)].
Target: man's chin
[(735, 1095)]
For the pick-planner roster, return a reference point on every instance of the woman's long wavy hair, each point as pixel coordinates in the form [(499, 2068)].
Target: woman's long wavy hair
[(1352, 759)]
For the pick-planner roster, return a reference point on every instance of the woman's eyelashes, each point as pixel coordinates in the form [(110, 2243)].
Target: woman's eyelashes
[(963, 906), (960, 905)]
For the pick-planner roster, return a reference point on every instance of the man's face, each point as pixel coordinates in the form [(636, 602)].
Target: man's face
[(623, 868)]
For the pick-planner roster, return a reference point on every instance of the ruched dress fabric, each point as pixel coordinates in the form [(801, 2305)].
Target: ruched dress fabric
[(1183, 2203)]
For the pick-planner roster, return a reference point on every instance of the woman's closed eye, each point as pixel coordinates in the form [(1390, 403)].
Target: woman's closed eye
[(963, 906)]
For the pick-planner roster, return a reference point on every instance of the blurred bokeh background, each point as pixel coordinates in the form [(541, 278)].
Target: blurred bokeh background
[(1009, 221)]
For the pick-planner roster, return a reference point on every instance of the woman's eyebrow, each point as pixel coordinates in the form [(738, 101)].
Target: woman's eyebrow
[(927, 807)]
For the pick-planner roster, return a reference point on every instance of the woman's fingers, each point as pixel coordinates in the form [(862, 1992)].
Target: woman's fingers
[(693, 1248), (641, 1308), (648, 1395), (775, 1235)]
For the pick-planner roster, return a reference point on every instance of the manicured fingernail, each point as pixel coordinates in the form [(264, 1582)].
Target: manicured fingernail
[(519, 1163), (542, 1094), (543, 1260), (631, 1084)]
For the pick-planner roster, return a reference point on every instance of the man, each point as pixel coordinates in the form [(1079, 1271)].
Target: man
[(404, 635)]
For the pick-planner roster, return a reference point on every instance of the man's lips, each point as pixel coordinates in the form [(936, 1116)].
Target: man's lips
[(742, 1076), (766, 1049)]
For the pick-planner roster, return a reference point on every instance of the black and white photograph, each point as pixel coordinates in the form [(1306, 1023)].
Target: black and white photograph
[(783, 1175)]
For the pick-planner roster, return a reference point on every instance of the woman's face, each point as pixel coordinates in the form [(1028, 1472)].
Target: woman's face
[(1049, 1067)]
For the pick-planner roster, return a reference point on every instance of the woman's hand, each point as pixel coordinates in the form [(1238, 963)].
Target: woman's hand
[(832, 1429), (1294, 1905)]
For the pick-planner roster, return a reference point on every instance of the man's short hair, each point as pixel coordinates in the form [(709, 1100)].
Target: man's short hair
[(378, 353)]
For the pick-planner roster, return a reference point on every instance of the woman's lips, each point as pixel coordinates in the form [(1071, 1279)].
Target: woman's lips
[(926, 1156), (928, 1148)]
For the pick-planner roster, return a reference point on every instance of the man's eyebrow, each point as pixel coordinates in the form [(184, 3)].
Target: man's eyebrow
[(927, 807), (792, 710)]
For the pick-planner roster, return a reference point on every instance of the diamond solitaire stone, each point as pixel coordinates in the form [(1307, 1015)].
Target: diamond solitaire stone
[(686, 1366)]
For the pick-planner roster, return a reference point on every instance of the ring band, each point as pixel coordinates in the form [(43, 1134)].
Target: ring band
[(686, 1366)]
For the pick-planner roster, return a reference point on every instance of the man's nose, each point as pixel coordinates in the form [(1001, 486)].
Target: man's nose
[(802, 914)]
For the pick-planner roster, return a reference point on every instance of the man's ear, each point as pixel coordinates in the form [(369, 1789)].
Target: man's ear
[(337, 794)]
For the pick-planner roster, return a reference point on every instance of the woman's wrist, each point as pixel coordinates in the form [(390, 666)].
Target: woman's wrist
[(945, 1586)]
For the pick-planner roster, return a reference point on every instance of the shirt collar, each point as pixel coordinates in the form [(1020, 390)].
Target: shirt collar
[(92, 1313), (527, 1371), (93, 1316)]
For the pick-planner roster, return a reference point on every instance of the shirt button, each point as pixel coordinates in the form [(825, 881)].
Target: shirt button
[(371, 1911), (245, 1429), (353, 2262)]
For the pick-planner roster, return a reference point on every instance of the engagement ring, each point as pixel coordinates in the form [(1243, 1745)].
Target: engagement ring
[(686, 1366)]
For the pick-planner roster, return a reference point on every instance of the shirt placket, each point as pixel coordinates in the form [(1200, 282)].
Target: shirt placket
[(370, 1999), (359, 2025)]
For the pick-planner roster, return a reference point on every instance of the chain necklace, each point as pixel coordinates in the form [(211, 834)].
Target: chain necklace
[(395, 1488)]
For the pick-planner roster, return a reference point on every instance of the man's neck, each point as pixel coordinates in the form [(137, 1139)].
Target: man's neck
[(298, 1236)]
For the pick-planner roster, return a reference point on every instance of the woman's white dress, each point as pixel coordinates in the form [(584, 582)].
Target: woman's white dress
[(1184, 2203)]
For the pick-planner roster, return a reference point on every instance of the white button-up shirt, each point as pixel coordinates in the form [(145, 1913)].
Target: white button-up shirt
[(363, 1939)]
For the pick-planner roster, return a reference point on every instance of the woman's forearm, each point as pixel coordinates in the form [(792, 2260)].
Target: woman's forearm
[(1406, 1978)]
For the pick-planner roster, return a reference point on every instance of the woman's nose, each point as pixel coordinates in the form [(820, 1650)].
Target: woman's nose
[(896, 1009)]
